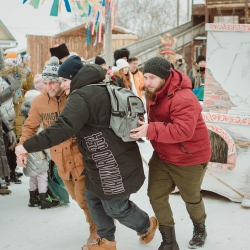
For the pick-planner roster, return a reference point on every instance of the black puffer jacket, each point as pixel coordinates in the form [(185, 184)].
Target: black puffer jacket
[(113, 168)]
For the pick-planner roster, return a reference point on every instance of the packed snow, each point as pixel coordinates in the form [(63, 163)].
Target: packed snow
[(64, 227)]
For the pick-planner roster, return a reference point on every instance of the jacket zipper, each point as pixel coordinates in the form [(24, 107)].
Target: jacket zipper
[(58, 104)]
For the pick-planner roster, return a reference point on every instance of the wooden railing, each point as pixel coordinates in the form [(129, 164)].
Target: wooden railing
[(151, 46), (184, 38)]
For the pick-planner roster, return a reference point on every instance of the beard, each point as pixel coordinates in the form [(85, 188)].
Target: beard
[(150, 95)]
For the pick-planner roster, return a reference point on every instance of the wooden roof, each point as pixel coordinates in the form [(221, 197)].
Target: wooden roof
[(5, 33), (81, 30), (228, 4)]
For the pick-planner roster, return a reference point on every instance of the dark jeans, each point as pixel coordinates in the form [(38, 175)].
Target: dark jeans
[(104, 212), (163, 177)]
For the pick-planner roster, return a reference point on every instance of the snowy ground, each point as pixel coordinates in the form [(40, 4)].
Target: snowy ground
[(64, 227)]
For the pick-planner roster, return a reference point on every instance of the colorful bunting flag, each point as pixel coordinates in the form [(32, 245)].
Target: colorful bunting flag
[(54, 9), (35, 3), (93, 10)]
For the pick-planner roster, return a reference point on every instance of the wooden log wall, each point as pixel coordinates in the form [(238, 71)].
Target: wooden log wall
[(38, 47), (119, 41)]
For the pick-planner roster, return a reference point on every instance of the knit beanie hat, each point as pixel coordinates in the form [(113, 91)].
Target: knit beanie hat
[(11, 55), (70, 67), (50, 71), (99, 60), (158, 66), (200, 58), (121, 63), (59, 50), (30, 95), (38, 82)]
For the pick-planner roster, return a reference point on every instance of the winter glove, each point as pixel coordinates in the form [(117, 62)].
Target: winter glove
[(12, 137), (15, 85)]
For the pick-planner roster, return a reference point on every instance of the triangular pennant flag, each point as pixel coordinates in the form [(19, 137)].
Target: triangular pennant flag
[(60, 6), (54, 9), (67, 5), (24, 1), (35, 3), (79, 5)]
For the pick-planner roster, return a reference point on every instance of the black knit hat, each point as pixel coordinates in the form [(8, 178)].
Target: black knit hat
[(120, 53), (99, 60), (158, 66), (60, 51), (70, 67), (200, 58)]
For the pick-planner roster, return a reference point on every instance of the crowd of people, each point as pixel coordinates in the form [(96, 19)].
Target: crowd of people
[(60, 117)]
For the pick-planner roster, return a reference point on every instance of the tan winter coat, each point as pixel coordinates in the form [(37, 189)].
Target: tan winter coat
[(45, 110)]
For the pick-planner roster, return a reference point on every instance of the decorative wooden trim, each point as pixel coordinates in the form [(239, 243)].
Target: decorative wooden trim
[(227, 27), (224, 118), (223, 134)]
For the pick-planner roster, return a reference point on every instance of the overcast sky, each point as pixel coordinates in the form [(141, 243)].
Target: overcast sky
[(23, 19)]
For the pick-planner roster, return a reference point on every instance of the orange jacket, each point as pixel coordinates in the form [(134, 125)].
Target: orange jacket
[(139, 82), (45, 110)]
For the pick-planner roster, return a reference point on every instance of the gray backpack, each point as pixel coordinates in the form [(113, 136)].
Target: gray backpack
[(37, 163), (126, 110)]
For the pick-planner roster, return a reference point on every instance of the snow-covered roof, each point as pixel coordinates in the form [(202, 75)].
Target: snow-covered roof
[(17, 50), (3, 27), (79, 28)]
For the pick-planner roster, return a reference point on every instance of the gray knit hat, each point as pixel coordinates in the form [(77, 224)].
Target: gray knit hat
[(157, 66), (50, 71)]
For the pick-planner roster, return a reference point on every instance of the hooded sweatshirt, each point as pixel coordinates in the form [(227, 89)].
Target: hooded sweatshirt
[(113, 168)]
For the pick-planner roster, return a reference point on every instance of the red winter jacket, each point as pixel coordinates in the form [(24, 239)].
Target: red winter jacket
[(176, 128)]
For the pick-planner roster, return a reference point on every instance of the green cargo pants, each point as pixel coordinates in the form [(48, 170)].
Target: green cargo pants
[(163, 177)]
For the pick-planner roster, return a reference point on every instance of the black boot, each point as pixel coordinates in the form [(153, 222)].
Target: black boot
[(168, 237), (19, 174), (33, 202), (47, 202), (13, 177), (199, 236), (7, 180)]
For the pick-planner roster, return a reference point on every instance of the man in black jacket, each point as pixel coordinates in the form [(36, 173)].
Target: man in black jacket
[(113, 168)]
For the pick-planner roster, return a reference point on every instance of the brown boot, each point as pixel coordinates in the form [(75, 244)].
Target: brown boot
[(3, 187), (101, 245), (147, 237), (4, 191), (93, 238)]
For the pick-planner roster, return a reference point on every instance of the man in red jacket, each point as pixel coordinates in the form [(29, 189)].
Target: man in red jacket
[(181, 145)]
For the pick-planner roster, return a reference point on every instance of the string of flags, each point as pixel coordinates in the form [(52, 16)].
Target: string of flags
[(96, 13)]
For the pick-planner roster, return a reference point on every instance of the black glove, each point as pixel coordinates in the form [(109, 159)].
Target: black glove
[(15, 85)]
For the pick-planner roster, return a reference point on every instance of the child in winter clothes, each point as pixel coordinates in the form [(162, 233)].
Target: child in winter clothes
[(37, 166)]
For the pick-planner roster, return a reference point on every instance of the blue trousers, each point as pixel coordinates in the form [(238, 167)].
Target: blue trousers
[(104, 212)]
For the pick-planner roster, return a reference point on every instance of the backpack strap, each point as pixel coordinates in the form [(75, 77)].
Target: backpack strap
[(98, 84), (97, 125)]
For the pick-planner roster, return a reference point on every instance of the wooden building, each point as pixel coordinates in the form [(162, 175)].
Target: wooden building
[(75, 39), (6, 38)]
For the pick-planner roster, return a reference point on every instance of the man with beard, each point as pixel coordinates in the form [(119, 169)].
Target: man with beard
[(181, 145), (113, 168)]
